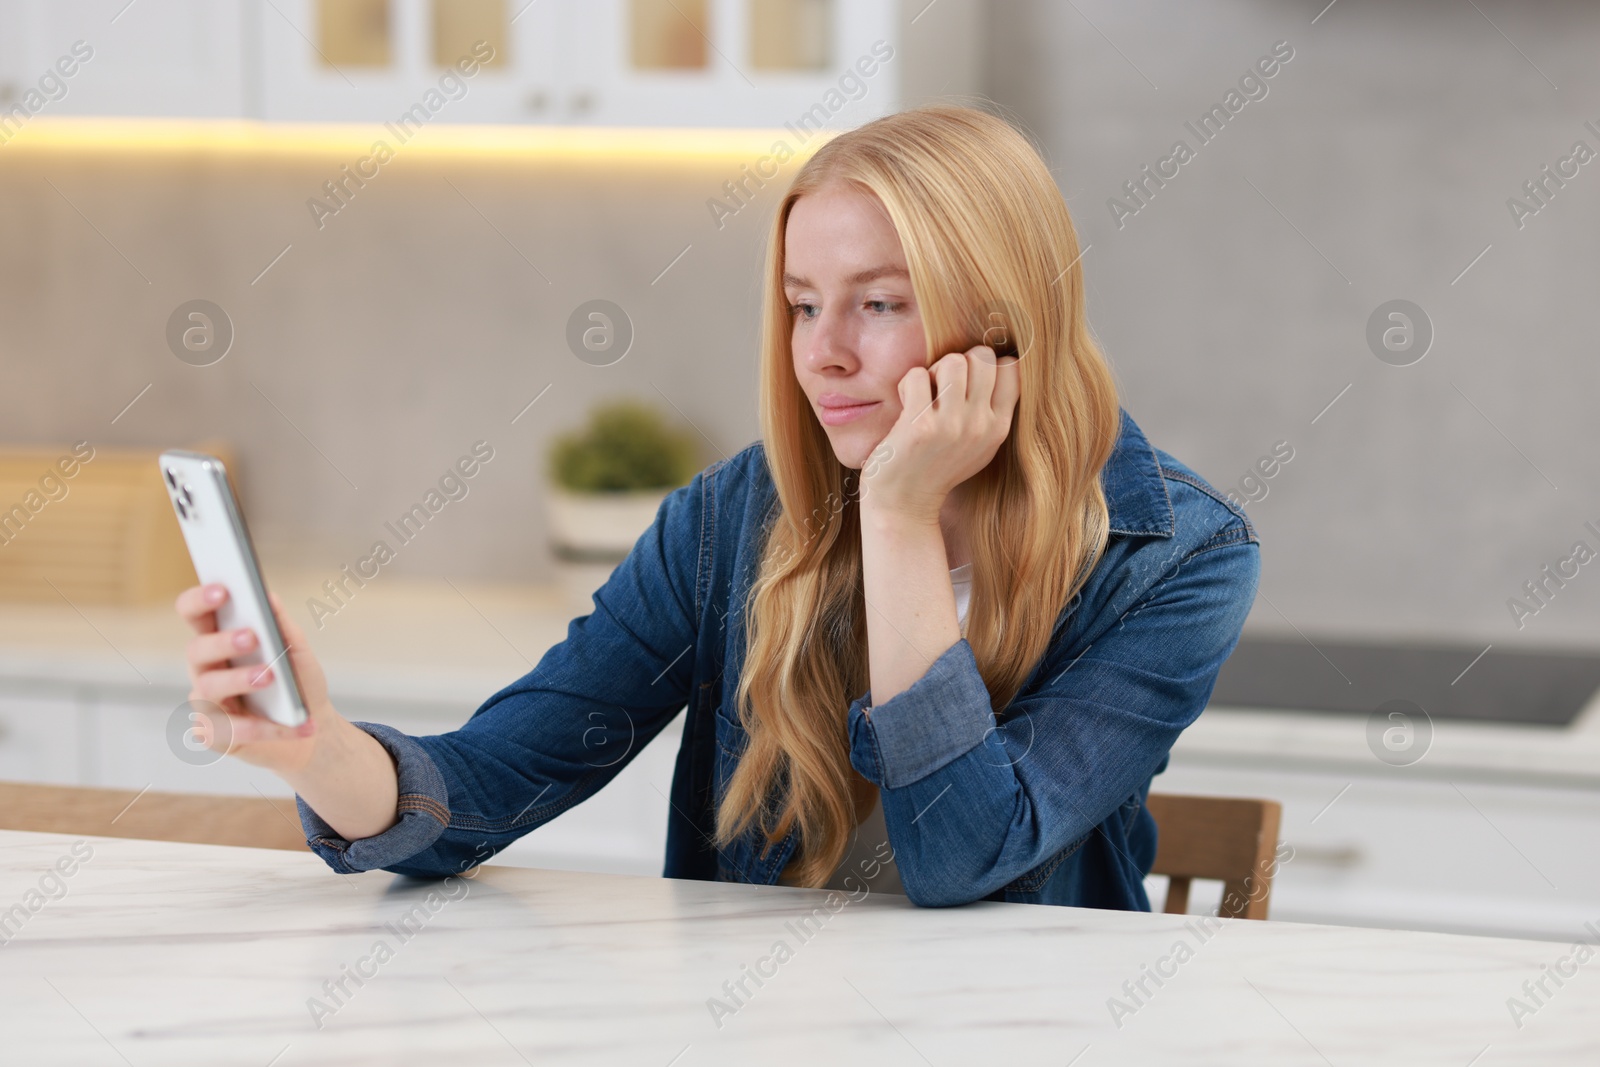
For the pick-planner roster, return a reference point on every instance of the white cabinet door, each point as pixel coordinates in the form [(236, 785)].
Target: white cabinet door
[(399, 66), (15, 26), (1414, 852), (719, 72), (526, 84), (152, 57), (140, 743), (40, 739), (367, 68)]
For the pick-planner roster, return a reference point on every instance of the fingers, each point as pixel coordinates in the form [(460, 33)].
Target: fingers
[(916, 391), (217, 685), (199, 705), (1007, 388), (227, 727), (950, 372), (980, 361), (211, 650), (250, 729), (198, 606), (995, 379)]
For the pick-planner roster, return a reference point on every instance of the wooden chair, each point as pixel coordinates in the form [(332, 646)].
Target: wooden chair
[(1230, 839), (197, 818)]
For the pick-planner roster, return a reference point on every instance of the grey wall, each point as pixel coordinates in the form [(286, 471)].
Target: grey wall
[(409, 327), (404, 330), (1391, 141)]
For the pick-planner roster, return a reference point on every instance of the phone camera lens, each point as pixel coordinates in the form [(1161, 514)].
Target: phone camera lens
[(188, 497), (172, 477), (183, 510)]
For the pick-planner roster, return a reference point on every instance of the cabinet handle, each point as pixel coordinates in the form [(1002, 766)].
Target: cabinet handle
[(1329, 855)]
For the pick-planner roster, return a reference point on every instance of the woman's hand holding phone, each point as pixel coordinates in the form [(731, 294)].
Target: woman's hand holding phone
[(954, 416), (217, 686), (336, 767)]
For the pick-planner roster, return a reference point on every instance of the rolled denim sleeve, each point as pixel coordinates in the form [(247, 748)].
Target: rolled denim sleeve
[(939, 718), (972, 802), (424, 809)]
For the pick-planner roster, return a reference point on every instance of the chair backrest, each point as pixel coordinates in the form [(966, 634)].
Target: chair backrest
[(198, 818), (1231, 839)]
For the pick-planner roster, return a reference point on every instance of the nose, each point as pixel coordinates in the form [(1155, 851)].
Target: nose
[(830, 343)]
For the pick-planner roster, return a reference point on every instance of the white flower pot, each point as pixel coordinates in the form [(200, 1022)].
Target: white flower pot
[(593, 532)]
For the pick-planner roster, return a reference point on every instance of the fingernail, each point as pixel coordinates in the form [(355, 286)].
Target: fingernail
[(214, 594), (242, 639), (264, 678)]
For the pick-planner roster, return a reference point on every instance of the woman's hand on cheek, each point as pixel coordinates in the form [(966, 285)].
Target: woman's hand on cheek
[(953, 418)]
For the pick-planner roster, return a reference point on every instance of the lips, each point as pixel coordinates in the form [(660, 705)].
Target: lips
[(840, 400), (839, 410)]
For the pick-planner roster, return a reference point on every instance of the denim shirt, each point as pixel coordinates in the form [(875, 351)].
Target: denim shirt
[(1045, 808)]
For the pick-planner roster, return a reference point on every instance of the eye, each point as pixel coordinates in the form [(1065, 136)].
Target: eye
[(802, 309), (885, 307)]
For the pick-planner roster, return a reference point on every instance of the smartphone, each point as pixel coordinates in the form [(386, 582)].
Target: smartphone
[(219, 545)]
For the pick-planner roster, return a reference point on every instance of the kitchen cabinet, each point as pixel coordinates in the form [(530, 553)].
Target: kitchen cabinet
[(126, 743), (729, 81), (1449, 849), (155, 57), (41, 739), (675, 63), (749, 63), (120, 737), (405, 56), (94, 704)]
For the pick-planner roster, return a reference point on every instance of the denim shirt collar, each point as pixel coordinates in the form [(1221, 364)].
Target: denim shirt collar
[(1136, 494)]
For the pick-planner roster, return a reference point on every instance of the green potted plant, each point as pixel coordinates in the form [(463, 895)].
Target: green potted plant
[(607, 482)]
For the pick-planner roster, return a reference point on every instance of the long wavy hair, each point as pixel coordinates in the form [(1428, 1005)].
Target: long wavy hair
[(991, 252)]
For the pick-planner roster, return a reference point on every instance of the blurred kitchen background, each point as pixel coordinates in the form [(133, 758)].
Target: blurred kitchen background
[(554, 258)]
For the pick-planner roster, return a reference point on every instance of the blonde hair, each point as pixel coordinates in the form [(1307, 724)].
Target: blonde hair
[(985, 232)]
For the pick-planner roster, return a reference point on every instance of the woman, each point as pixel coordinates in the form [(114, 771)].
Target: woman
[(859, 713)]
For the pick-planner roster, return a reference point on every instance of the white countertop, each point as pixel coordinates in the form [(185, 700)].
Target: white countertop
[(1508, 752), (398, 639), (192, 954), (432, 642)]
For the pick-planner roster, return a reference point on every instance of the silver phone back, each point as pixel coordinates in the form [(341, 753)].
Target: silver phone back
[(219, 545)]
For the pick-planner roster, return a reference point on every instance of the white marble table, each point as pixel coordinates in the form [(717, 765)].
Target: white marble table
[(162, 954)]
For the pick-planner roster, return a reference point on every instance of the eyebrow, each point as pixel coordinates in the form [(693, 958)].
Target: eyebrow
[(859, 278)]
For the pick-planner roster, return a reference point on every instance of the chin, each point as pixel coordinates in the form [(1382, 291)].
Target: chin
[(852, 450)]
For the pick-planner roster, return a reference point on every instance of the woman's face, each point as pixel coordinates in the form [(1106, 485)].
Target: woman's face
[(856, 329)]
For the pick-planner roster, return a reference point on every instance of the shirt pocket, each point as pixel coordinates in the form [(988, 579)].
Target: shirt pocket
[(730, 737)]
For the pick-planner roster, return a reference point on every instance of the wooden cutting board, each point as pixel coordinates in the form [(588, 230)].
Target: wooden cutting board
[(90, 524)]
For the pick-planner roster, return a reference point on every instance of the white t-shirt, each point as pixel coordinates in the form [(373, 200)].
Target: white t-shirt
[(961, 578), (869, 846)]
